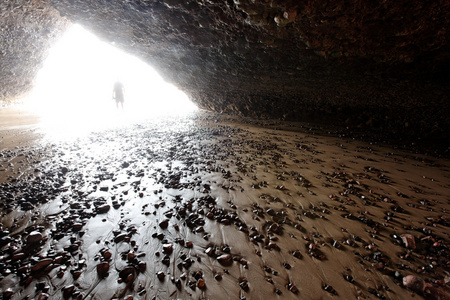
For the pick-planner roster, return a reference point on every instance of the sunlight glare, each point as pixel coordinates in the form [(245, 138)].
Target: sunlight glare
[(76, 82)]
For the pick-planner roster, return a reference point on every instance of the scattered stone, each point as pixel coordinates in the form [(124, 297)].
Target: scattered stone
[(107, 255), (267, 229), (225, 259), (42, 264), (201, 284), (168, 249), (160, 275), (292, 288), (68, 290), (19, 256), (164, 224), (329, 289), (43, 296), (349, 278), (244, 285), (102, 209), (409, 240), (297, 254), (77, 226), (414, 283), (121, 237), (34, 237), (102, 269), (8, 293), (210, 251)]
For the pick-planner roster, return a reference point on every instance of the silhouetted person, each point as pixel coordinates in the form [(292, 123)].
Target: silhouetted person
[(119, 94)]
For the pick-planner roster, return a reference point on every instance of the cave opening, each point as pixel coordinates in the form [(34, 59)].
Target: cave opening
[(75, 86)]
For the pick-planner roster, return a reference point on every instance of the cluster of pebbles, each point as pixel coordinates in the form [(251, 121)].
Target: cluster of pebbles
[(205, 207)]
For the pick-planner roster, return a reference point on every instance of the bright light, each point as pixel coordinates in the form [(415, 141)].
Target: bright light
[(76, 82)]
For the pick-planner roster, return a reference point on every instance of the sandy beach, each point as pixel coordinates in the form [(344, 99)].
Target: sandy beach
[(18, 132), (209, 206)]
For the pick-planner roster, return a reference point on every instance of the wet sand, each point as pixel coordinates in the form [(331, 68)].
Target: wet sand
[(208, 206), (18, 132)]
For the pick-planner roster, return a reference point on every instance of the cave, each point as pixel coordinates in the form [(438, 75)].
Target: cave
[(381, 67), (316, 168)]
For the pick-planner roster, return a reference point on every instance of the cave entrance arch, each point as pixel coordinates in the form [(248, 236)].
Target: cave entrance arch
[(76, 82)]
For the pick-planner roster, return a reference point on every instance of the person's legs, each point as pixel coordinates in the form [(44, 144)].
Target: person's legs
[(119, 102)]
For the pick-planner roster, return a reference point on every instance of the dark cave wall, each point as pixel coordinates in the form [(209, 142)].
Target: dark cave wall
[(380, 65), (27, 31), (400, 112)]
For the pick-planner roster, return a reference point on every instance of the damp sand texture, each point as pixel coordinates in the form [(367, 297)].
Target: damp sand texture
[(207, 206)]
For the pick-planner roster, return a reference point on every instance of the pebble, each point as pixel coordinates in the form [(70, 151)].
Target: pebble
[(201, 284), (168, 249), (164, 224), (225, 259), (240, 166), (34, 237), (43, 296), (414, 283), (121, 237), (107, 255), (244, 285), (160, 275), (210, 251), (292, 288), (102, 269), (103, 209), (7, 293), (297, 254), (68, 290), (42, 264), (409, 240)]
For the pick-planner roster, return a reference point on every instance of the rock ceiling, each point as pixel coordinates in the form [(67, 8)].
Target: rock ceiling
[(376, 64)]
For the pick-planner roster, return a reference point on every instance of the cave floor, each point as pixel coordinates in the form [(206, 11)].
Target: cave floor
[(207, 206)]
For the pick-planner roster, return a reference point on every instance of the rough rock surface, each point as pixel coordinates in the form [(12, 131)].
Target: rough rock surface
[(378, 65), (27, 31)]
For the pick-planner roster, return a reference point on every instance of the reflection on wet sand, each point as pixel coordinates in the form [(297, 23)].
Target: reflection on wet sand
[(210, 207)]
